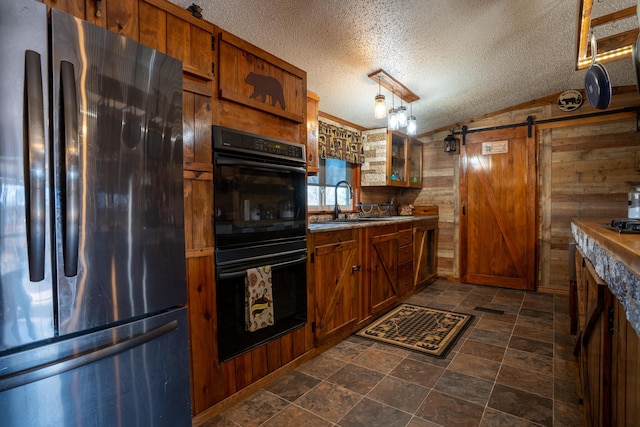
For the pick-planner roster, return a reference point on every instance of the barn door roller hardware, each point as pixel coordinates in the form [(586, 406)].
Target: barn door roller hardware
[(531, 122)]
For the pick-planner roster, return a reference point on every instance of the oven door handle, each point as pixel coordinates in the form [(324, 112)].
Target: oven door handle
[(241, 273), (259, 165)]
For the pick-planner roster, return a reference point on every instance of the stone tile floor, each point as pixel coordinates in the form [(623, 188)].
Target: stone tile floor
[(511, 369)]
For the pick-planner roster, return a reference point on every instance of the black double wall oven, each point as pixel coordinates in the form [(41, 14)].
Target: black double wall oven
[(260, 220)]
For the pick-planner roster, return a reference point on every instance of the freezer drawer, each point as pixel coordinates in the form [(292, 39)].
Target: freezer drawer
[(136, 374)]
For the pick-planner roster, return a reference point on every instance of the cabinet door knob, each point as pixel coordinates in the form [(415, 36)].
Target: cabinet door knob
[(355, 268)]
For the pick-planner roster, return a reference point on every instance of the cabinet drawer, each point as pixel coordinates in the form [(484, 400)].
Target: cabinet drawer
[(405, 253), (405, 269), (405, 282), (405, 237)]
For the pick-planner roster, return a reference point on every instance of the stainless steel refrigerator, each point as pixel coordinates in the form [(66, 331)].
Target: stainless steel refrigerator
[(93, 324)]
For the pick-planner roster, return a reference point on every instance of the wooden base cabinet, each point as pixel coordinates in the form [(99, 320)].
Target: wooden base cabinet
[(334, 278), (382, 283), (594, 344), (405, 259), (608, 352), (625, 375), (425, 236)]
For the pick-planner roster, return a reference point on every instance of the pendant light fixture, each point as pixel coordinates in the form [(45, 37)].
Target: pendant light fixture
[(392, 123), (411, 123), (380, 111), (397, 117), (402, 115)]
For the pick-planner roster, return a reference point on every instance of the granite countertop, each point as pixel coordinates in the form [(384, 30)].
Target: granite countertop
[(616, 258), (342, 224)]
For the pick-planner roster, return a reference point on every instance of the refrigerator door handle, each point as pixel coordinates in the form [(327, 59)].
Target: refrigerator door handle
[(60, 366), (71, 184), (36, 174)]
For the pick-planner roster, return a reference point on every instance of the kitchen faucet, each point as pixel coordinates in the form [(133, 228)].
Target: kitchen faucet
[(336, 208)]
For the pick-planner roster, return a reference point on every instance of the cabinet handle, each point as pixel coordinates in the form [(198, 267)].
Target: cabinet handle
[(464, 211), (355, 268)]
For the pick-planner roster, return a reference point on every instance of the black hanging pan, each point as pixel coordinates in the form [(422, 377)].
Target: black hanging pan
[(597, 85)]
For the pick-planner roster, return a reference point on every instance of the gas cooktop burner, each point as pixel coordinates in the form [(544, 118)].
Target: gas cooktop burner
[(625, 225)]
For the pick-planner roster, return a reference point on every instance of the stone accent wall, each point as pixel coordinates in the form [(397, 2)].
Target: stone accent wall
[(373, 170)]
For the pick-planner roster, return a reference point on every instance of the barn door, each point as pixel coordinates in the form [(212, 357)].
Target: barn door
[(498, 220)]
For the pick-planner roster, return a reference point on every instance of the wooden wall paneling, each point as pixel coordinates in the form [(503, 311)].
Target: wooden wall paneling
[(188, 127), (592, 166), (95, 15), (204, 370), (153, 26), (545, 146), (188, 208), (274, 359), (259, 363), (122, 17), (299, 342), (76, 8), (203, 153), (244, 372), (202, 213), (286, 349), (229, 375), (440, 188)]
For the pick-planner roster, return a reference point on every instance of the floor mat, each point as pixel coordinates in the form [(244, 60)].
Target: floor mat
[(427, 330)]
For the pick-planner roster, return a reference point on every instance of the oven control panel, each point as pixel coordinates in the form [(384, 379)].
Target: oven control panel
[(250, 143)]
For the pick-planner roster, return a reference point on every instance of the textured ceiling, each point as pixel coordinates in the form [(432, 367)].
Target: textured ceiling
[(462, 58)]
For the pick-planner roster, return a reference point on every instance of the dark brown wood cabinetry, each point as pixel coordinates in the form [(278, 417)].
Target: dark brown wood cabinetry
[(594, 343), (334, 279), (382, 282), (312, 133), (425, 237), (405, 259), (607, 345)]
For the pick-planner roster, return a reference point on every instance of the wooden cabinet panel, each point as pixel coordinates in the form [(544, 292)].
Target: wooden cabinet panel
[(594, 345), (405, 253), (153, 26), (122, 17), (335, 274), (173, 30), (383, 279), (256, 79), (425, 238), (625, 382), (76, 8), (312, 133), (206, 375), (402, 164)]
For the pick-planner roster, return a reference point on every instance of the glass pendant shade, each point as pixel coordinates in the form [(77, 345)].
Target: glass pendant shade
[(380, 111), (411, 126), (402, 116), (393, 119)]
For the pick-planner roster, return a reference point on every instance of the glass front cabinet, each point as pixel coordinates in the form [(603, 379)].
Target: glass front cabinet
[(404, 161), (392, 159)]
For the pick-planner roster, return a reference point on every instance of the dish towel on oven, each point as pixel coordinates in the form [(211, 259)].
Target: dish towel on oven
[(258, 298)]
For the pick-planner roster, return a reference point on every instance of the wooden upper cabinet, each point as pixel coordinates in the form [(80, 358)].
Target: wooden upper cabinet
[(76, 8), (175, 31), (119, 16), (396, 160), (414, 165), (256, 79), (313, 166)]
